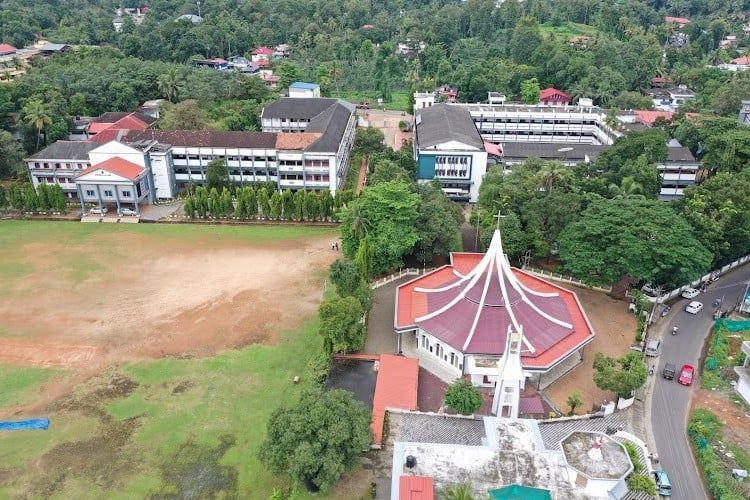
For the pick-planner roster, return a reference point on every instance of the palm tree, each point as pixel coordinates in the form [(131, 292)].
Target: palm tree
[(335, 74), (36, 114), (552, 173), (170, 83), (629, 188), (358, 222), (458, 492)]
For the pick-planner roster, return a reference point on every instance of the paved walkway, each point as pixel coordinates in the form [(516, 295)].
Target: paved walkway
[(381, 339)]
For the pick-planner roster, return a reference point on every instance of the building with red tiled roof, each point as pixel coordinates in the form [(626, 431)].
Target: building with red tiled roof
[(396, 387), (416, 488), (679, 21), (461, 315), (6, 49), (553, 97)]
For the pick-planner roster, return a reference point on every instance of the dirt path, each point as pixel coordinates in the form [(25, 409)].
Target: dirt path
[(148, 297)]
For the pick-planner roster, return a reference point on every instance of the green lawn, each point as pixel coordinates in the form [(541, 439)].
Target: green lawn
[(20, 384), (179, 420)]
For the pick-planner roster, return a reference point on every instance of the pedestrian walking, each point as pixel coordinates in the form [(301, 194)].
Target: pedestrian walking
[(337, 246)]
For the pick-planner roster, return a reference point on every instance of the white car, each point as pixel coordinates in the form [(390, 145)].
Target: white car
[(98, 211), (127, 211), (690, 293), (694, 307)]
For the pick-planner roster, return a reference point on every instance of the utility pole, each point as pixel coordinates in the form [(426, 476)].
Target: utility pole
[(199, 8)]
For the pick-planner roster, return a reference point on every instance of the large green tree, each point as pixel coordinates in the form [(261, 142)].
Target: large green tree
[(643, 239), (390, 209), (719, 210), (341, 324), (317, 439), (621, 376), (11, 155)]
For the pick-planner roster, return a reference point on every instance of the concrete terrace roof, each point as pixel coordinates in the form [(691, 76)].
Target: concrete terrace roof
[(512, 453), (443, 123), (65, 150), (205, 138), (475, 301), (550, 150)]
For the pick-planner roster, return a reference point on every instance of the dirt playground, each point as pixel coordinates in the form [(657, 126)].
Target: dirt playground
[(147, 297)]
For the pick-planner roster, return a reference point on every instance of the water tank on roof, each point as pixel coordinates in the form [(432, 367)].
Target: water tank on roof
[(411, 461)]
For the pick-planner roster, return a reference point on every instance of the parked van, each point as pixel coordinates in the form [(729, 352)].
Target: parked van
[(653, 347)]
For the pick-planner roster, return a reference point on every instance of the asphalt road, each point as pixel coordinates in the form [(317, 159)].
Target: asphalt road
[(670, 400)]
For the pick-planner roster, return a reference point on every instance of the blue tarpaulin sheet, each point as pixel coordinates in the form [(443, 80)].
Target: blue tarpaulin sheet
[(36, 423)]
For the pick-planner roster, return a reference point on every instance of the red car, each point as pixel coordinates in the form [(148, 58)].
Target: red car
[(686, 375)]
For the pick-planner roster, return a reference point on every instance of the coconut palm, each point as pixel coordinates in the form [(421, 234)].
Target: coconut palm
[(37, 115), (170, 83), (629, 188), (457, 492), (359, 224), (553, 173)]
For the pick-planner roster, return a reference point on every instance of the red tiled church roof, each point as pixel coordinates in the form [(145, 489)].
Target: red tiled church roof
[(472, 303)]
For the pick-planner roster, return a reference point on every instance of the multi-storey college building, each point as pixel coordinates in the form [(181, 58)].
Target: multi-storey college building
[(305, 144), (478, 136)]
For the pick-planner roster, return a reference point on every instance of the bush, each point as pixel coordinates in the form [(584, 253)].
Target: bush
[(318, 367), (638, 482), (704, 431), (463, 397)]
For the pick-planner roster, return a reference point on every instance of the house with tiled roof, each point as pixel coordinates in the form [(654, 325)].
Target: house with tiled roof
[(553, 97), (6, 49), (261, 54), (114, 122), (681, 22)]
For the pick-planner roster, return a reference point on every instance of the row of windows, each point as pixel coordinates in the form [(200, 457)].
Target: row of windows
[(108, 193), (439, 351), (452, 160), (451, 172), (208, 158), (51, 180), (309, 178), (549, 121), (67, 166)]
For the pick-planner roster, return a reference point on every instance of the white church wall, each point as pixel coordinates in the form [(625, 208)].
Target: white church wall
[(442, 352)]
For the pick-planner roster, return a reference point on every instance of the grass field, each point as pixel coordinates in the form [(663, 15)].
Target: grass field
[(179, 426), (569, 29)]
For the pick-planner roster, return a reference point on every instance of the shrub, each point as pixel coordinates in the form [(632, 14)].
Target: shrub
[(463, 397)]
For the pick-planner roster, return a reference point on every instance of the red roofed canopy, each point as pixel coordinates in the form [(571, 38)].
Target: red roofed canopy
[(117, 166), (473, 303)]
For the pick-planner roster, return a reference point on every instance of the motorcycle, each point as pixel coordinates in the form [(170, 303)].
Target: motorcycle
[(665, 311), (674, 330)]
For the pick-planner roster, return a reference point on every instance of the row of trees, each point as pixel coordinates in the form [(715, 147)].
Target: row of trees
[(49, 197), (253, 203)]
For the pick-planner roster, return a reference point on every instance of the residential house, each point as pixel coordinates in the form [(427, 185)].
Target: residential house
[(728, 42), (679, 171), (189, 17), (281, 51), (304, 90), (670, 99), (117, 23), (54, 48), (216, 63), (262, 54), (737, 64), (448, 147), (410, 49), (680, 22), (7, 50), (271, 81), (446, 93), (151, 108), (553, 97)]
